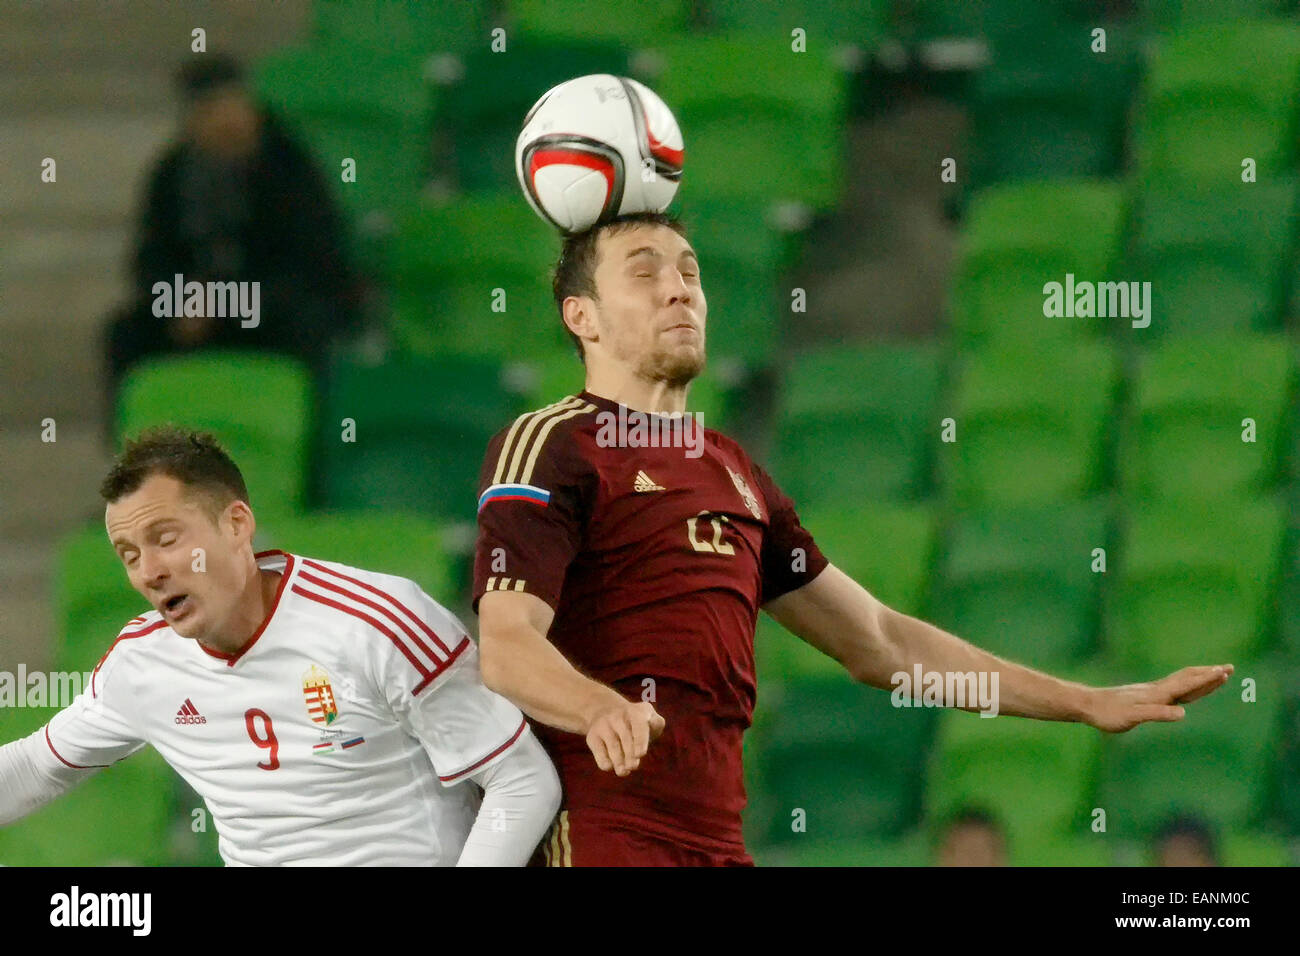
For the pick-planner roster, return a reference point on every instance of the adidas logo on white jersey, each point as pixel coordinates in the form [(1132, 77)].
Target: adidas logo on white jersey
[(645, 483), (189, 714)]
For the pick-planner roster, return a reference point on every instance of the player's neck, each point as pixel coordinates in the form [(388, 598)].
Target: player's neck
[(637, 394), (255, 606)]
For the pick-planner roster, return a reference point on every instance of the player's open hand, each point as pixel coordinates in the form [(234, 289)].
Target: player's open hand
[(1117, 709), (620, 735)]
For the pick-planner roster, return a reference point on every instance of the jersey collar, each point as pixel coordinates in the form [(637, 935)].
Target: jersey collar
[(231, 659)]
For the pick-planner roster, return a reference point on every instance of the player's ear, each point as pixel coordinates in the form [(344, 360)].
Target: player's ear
[(580, 317), (242, 522)]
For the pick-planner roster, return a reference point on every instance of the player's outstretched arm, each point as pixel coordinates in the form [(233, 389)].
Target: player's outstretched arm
[(92, 732), (839, 617), (31, 776), (520, 664)]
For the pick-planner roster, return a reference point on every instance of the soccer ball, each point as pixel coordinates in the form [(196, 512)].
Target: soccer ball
[(596, 147)]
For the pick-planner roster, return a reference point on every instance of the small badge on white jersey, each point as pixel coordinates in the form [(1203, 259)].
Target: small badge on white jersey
[(322, 707), (751, 502), (335, 741)]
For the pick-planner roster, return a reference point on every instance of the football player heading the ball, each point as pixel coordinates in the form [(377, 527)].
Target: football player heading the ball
[(618, 579)]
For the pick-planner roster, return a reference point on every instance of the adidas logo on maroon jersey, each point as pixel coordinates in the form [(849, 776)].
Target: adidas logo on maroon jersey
[(189, 714), (645, 483)]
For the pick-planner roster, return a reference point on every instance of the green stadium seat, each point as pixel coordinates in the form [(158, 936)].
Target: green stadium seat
[(760, 123), (1213, 763), (887, 548), (821, 742), (1284, 757), (1046, 105), (1090, 850), (862, 23), (908, 850), (1002, 24), (1020, 236), (843, 754), (482, 113), (546, 378), (352, 105), (93, 599), (626, 22), (259, 406), (118, 816), (1032, 423), (1001, 21), (1289, 593), (857, 423), (1217, 259), (407, 545), (1192, 395), (1256, 849), (1217, 93), (422, 429), (402, 28), (742, 259), (939, 20), (448, 263), (1019, 583), (1195, 586), (1176, 14), (1038, 777)]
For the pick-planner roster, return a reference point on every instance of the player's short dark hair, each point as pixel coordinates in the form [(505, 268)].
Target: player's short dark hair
[(575, 273), (972, 816), (195, 459), (1191, 827)]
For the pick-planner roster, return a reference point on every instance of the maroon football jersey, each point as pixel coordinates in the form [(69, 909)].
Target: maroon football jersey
[(656, 561)]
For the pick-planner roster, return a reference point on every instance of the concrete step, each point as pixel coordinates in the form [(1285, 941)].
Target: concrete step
[(73, 303), (26, 628), (157, 30), (50, 488), (56, 57), (102, 161), (25, 563), (55, 251), (52, 357), (115, 89)]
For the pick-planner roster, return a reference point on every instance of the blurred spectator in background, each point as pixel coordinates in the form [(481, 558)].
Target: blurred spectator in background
[(1185, 840), (236, 199), (972, 837)]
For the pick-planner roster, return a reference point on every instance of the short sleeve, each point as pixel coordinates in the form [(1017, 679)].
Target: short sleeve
[(790, 556), (440, 699), (463, 726), (534, 498), (96, 729)]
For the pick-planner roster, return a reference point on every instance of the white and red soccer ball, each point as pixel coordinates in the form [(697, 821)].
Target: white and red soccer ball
[(596, 147)]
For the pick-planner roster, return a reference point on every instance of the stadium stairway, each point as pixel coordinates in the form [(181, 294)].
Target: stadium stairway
[(89, 85)]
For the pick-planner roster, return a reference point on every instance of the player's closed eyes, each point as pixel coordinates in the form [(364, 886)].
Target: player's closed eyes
[(650, 275)]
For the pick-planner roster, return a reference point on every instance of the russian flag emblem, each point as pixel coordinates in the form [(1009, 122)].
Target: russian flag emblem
[(531, 493)]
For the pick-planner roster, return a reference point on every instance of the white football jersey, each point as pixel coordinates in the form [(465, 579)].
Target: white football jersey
[(324, 739)]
